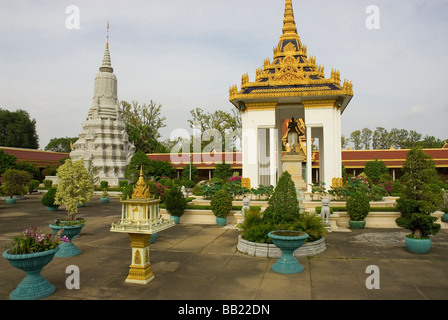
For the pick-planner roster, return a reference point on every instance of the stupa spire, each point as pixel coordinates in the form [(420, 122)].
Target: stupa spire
[(107, 37), (289, 24), (107, 65)]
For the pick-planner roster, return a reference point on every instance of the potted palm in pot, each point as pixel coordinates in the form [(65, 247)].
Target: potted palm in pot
[(221, 204), (420, 197), (30, 252), (358, 207), (75, 186), (49, 198), (175, 203), (105, 197)]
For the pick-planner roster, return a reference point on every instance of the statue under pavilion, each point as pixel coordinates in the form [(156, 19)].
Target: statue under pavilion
[(291, 91)]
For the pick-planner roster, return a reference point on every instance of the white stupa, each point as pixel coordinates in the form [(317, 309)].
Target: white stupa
[(103, 142)]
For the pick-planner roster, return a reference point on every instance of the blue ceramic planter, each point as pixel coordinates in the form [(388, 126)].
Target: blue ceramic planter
[(176, 219), (153, 238), (357, 224), (418, 245), (52, 209), (104, 200), (445, 217), (11, 200), (67, 249), (34, 286), (221, 221), (288, 241)]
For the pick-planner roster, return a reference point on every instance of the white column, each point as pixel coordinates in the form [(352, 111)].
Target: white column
[(309, 164), (273, 156)]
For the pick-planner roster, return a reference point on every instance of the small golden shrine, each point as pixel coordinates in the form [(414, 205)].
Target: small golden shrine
[(140, 218)]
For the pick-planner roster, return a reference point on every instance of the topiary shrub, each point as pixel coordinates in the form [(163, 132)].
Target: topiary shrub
[(420, 195), (375, 170), (104, 185), (223, 171), (48, 184), (221, 204), (175, 202), (358, 206), (48, 198), (33, 185), (283, 204), (197, 190), (123, 184)]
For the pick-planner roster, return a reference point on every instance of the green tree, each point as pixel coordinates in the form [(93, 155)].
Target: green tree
[(61, 144), (366, 137), (223, 171), (355, 138), (143, 122), (224, 127), (74, 186), (138, 160), (15, 182), (18, 130), (430, 142), (150, 168), (420, 196), (186, 172), (381, 139), (398, 137), (375, 170), (7, 161), (344, 142)]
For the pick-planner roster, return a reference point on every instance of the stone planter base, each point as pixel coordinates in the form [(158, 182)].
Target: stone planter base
[(272, 251)]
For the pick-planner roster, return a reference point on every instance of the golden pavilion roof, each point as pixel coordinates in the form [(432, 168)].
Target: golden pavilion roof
[(291, 73)]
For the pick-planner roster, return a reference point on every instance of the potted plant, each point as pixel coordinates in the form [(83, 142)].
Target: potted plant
[(49, 198), (419, 198), (75, 186), (221, 204), (15, 182), (175, 203), (30, 252), (358, 208), (105, 196)]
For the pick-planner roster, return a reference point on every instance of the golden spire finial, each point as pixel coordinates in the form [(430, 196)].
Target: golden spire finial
[(289, 25), (140, 189), (107, 38)]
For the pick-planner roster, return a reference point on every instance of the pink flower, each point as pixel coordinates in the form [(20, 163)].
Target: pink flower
[(65, 239)]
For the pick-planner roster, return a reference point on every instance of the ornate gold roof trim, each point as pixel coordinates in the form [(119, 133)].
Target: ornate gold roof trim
[(290, 67)]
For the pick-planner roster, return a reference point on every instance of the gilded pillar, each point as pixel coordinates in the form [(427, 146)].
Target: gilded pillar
[(140, 269)]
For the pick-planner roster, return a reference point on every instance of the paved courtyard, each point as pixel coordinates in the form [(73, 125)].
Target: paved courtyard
[(200, 262)]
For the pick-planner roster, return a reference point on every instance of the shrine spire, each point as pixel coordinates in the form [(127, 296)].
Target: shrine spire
[(289, 25)]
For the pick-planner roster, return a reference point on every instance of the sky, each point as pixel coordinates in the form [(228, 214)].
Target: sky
[(185, 54)]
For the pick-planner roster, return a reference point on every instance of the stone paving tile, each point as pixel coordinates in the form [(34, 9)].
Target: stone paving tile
[(200, 262)]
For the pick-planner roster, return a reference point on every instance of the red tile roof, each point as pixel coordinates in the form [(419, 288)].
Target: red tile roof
[(350, 158), (38, 157)]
